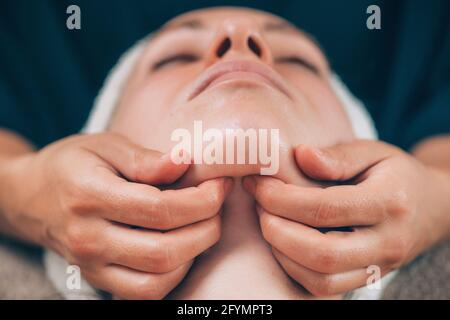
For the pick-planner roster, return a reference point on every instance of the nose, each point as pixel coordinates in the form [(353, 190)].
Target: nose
[(239, 39)]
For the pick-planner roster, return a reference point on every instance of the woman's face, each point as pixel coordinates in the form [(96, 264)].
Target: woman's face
[(232, 68)]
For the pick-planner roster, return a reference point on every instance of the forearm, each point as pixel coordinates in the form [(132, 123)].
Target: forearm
[(435, 153), (12, 146)]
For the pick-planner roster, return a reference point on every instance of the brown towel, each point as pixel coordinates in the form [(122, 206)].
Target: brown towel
[(22, 275), (427, 277)]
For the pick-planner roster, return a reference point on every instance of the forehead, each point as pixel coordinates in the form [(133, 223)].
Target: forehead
[(210, 17)]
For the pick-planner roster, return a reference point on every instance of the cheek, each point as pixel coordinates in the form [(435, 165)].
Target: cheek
[(144, 108), (335, 126)]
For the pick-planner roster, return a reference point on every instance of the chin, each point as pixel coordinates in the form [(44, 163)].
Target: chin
[(253, 98), (287, 172)]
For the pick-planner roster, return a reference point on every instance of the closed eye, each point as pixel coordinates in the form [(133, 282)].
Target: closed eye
[(176, 58), (299, 61)]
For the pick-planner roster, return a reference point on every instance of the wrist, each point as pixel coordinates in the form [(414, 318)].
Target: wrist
[(442, 178), (14, 181)]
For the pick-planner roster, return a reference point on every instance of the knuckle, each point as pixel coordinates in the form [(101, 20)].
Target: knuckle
[(398, 252), (268, 227), (323, 286), (326, 260), (160, 215), (138, 165), (161, 257), (209, 202), (79, 242), (398, 204), (79, 206), (110, 135), (148, 289), (393, 150), (324, 213), (339, 171), (265, 192), (215, 198), (214, 230), (380, 212), (76, 197), (74, 204)]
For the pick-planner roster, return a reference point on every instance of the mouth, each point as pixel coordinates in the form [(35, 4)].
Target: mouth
[(243, 70)]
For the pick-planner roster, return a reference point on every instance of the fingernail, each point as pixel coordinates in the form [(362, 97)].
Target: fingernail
[(321, 154), (182, 158), (165, 156), (249, 184), (186, 156)]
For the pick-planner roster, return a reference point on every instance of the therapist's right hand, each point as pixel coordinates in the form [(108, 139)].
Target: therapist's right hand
[(93, 199)]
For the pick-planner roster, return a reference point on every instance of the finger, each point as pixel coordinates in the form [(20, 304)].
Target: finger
[(126, 283), (342, 162), (322, 284), (331, 252), (157, 252), (148, 207), (136, 163), (334, 206)]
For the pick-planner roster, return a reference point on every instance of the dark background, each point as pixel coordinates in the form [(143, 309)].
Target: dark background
[(49, 75)]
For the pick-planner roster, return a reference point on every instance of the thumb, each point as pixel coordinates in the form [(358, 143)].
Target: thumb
[(135, 163), (342, 162)]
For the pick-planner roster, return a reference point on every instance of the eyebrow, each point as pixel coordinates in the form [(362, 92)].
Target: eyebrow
[(196, 24), (276, 25), (192, 24)]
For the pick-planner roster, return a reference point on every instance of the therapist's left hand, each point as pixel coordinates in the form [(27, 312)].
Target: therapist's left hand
[(397, 207)]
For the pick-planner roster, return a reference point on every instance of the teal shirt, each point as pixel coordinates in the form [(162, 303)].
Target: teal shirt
[(49, 75)]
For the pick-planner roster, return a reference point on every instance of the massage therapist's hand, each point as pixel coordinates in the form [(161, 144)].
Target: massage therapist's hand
[(397, 207), (81, 195)]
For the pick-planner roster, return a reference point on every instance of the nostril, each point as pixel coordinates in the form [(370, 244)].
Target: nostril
[(223, 48), (254, 47)]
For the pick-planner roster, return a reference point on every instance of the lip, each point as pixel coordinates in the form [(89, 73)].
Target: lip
[(237, 70)]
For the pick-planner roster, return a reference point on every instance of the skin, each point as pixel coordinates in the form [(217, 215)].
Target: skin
[(308, 112), (289, 205), (393, 221), (77, 187), (83, 210)]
